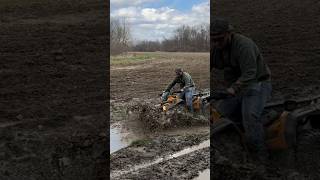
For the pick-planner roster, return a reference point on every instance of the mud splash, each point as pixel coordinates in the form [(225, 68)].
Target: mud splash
[(147, 117), (152, 118)]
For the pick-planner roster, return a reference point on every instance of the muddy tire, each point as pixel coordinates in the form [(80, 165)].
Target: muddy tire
[(307, 153)]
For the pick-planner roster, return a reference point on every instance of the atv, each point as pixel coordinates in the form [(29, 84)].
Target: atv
[(173, 100), (290, 125)]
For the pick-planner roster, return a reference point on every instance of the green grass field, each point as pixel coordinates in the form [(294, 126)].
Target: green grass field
[(131, 58), (140, 142)]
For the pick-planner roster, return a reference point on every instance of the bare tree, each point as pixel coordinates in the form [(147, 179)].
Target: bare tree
[(185, 39), (149, 46), (119, 36)]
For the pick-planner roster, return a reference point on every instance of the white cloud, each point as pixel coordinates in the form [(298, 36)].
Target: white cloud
[(126, 3), (152, 14), (126, 12), (202, 8), (157, 23)]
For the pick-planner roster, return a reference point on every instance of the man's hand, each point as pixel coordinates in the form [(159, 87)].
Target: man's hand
[(231, 91)]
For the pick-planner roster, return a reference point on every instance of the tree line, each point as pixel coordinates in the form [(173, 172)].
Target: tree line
[(185, 39)]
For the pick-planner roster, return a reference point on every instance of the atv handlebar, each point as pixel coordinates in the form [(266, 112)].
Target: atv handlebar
[(174, 92)]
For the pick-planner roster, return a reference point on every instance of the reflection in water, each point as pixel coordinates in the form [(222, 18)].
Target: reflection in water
[(204, 175), (116, 140)]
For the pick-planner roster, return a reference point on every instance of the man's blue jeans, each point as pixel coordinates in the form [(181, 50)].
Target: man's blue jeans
[(188, 95), (248, 107)]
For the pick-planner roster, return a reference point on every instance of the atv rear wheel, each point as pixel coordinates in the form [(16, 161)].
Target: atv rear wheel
[(308, 153)]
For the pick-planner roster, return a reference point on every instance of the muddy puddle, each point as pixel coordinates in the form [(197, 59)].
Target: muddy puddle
[(117, 141), (203, 175), (121, 137)]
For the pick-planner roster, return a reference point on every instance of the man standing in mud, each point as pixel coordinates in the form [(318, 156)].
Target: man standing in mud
[(247, 79), (187, 87)]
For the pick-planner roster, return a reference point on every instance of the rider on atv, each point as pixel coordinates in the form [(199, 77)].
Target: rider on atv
[(248, 81), (187, 87)]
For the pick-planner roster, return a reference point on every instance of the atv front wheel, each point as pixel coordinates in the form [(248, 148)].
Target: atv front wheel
[(308, 153)]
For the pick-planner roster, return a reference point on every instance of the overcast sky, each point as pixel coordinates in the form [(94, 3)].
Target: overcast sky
[(155, 19)]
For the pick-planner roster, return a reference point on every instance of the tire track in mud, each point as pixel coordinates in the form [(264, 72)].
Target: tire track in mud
[(186, 166), (154, 148), (186, 151)]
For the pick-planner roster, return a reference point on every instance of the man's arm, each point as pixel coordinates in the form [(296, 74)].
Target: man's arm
[(248, 66), (169, 87)]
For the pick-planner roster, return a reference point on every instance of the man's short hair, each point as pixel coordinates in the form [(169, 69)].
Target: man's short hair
[(178, 70), (219, 26)]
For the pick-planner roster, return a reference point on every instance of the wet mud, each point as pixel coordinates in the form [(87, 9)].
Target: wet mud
[(182, 167), (53, 102), (287, 33), (164, 138), (134, 106), (230, 160)]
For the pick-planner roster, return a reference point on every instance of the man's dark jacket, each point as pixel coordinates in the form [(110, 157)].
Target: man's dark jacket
[(241, 61)]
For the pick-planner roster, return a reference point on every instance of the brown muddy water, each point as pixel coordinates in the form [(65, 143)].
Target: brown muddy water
[(117, 141), (204, 175), (121, 138)]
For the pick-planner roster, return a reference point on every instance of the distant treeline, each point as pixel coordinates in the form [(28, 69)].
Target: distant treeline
[(185, 39)]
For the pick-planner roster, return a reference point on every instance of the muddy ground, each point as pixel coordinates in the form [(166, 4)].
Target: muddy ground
[(125, 162), (135, 89), (146, 79), (288, 33), (147, 156), (53, 90), (184, 167)]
